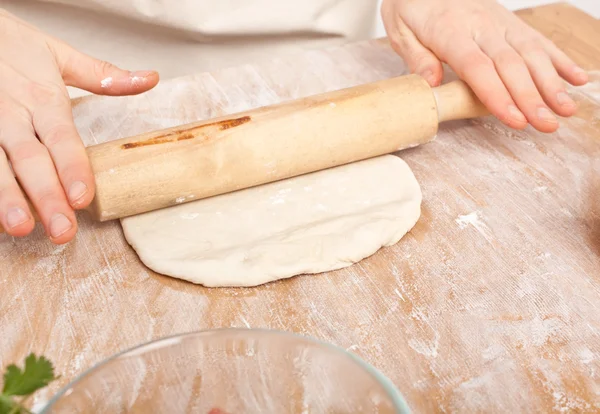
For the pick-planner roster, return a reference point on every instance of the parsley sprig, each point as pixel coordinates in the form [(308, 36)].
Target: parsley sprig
[(20, 384)]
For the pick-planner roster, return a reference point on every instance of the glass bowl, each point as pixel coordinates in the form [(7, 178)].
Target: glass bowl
[(230, 371)]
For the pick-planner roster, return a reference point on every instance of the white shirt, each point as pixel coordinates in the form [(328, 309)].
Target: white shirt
[(179, 37)]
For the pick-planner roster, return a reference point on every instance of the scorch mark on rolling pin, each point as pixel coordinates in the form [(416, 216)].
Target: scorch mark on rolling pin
[(185, 134)]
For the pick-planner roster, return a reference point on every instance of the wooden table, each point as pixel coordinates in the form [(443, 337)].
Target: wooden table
[(491, 303)]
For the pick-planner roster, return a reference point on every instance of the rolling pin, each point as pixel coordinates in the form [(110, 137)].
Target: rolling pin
[(176, 165)]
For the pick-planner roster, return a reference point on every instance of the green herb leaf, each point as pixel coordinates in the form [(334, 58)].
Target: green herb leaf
[(6, 405), (38, 373)]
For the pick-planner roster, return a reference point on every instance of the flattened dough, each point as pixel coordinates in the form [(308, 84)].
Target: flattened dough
[(308, 224)]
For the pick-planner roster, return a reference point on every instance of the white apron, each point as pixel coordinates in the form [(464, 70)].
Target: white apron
[(179, 37)]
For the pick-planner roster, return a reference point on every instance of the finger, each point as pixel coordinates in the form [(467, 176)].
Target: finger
[(564, 65), (516, 77), (478, 71), (547, 80), (419, 59), (99, 77), (15, 216), (53, 121), (34, 170)]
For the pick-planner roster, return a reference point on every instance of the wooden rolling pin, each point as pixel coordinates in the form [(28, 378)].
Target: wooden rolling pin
[(190, 162)]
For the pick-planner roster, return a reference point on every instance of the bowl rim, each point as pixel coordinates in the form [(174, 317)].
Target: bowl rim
[(391, 390)]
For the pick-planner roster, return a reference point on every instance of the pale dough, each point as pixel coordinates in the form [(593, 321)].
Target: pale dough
[(308, 224)]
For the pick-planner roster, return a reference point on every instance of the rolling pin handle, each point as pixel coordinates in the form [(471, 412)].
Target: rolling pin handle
[(455, 100)]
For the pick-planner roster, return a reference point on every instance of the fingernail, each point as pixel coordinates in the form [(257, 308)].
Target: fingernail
[(516, 114), (16, 216), (564, 99), (59, 225), (76, 192), (545, 115)]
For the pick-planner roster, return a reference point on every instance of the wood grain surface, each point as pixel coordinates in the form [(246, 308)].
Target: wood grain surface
[(490, 304)]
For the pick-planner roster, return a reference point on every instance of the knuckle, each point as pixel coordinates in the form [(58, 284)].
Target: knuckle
[(445, 14), (428, 30), (444, 23), (420, 60), (453, 44), (400, 44), (442, 33), (75, 169), (103, 69), (5, 195), (548, 45), (397, 43), (8, 191), (11, 112), (550, 85), (44, 196), (532, 45), (508, 58), (56, 135), (530, 98), (475, 62), (26, 150), (6, 107), (482, 20), (44, 94)]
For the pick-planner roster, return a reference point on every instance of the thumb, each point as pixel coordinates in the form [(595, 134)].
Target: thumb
[(100, 77), (423, 62), (420, 60)]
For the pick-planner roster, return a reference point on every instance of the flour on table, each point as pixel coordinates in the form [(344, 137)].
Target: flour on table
[(313, 223)]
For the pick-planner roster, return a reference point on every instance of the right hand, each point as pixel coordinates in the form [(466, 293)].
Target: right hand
[(37, 135), (516, 72)]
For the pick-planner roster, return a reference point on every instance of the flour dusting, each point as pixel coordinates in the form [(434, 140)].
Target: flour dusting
[(137, 80), (49, 263), (473, 219), (591, 90), (425, 348), (469, 328), (106, 82)]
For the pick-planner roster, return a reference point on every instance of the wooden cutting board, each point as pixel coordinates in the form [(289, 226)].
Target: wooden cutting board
[(491, 303)]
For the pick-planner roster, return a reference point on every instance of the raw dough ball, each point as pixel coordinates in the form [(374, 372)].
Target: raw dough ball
[(308, 224)]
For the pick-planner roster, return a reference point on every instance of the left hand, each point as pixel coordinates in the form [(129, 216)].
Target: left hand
[(515, 71)]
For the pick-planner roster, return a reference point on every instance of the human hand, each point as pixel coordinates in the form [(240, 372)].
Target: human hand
[(39, 144), (515, 71)]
